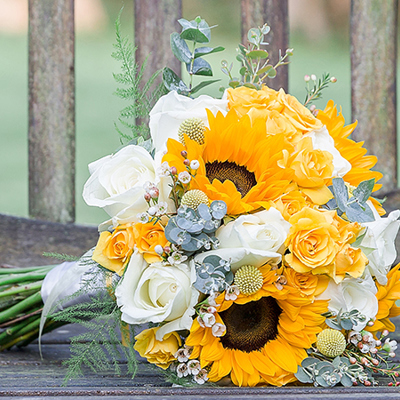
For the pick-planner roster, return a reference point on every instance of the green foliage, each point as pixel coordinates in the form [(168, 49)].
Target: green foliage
[(355, 206), (328, 373), (314, 89), (133, 127), (100, 348), (255, 61), (345, 320), (196, 31)]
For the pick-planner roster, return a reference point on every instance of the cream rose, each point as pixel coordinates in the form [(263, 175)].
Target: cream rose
[(380, 236), (352, 294), (116, 183), (172, 109), (157, 293), (266, 230)]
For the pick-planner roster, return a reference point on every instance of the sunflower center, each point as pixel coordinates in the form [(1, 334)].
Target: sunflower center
[(241, 177), (250, 326)]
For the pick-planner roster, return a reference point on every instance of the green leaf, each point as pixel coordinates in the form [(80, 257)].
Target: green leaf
[(333, 324), (242, 49), (358, 241), (180, 48), (346, 380), (272, 73), (172, 82), (346, 324), (253, 35), (355, 213), (307, 362), (200, 67), (265, 69), (242, 70), (302, 376), (257, 54), (234, 83), (250, 85), (196, 32), (202, 51), (364, 190), (341, 193), (203, 84)]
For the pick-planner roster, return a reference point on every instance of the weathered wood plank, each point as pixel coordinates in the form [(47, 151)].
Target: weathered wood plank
[(373, 81), (23, 241), (275, 13), (154, 22), (51, 110)]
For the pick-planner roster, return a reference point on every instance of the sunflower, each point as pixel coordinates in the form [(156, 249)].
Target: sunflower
[(387, 296), (238, 162), (266, 335), (352, 151)]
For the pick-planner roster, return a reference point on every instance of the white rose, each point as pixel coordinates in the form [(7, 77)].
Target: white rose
[(380, 236), (352, 294), (157, 293), (322, 140), (116, 183), (172, 109), (266, 230)]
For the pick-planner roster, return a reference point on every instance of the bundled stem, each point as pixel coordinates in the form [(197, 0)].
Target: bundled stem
[(21, 305)]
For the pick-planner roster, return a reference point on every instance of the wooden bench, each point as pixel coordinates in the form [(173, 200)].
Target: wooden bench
[(52, 191)]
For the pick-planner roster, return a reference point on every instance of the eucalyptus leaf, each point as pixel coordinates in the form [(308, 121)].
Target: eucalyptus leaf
[(195, 31), (200, 67), (346, 324), (257, 54), (358, 241), (307, 362), (172, 82), (364, 190), (202, 51), (302, 376), (355, 213), (322, 382), (264, 70), (203, 84), (333, 324), (272, 73), (346, 380), (180, 48), (341, 193)]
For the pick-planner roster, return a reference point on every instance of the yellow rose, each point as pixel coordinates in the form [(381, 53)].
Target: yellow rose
[(351, 261), (312, 242), (113, 250), (156, 352), (244, 99), (312, 169), (147, 237), (309, 285), (300, 116), (290, 204), (278, 123)]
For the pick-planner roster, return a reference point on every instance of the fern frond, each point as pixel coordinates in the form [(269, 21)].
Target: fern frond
[(61, 256), (139, 94)]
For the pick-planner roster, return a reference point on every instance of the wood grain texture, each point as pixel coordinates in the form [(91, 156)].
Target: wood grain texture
[(373, 81), (23, 241), (154, 22), (51, 110), (275, 13)]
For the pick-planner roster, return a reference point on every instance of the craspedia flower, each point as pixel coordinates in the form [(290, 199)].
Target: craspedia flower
[(331, 343), (193, 198), (249, 279), (194, 128)]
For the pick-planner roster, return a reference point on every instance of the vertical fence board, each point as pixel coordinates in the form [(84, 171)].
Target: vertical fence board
[(51, 110), (275, 13), (373, 81), (155, 20)]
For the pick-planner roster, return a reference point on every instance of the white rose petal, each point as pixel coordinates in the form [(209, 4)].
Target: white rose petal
[(380, 236), (266, 230), (172, 109), (322, 140), (352, 294), (157, 293)]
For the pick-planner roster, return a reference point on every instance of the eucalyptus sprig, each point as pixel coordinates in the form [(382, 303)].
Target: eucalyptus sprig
[(352, 201), (314, 89), (196, 31), (255, 61)]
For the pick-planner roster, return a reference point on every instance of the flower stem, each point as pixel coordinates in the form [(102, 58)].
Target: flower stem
[(23, 305)]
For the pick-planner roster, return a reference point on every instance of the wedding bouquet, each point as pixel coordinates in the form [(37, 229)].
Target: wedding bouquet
[(244, 242)]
